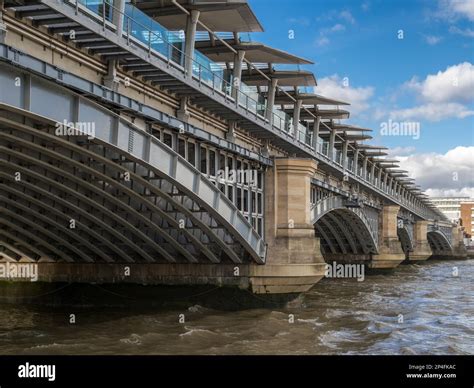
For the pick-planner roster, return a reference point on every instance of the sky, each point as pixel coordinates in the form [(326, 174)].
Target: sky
[(404, 63)]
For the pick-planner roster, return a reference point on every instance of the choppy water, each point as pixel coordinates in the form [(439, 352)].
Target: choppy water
[(336, 317)]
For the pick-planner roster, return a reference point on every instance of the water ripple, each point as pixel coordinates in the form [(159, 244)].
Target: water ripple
[(415, 309)]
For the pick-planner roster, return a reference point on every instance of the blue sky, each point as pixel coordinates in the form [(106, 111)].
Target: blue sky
[(387, 76)]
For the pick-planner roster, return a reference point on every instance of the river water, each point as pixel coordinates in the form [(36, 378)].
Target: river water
[(414, 309)]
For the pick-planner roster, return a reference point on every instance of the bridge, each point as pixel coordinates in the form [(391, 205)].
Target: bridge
[(140, 145)]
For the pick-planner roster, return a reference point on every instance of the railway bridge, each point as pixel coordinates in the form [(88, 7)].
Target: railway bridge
[(147, 142)]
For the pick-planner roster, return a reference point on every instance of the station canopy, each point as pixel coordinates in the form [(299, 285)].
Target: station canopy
[(323, 113), (387, 161), (374, 147), (218, 15), (347, 128), (284, 77), (255, 52), (307, 98), (346, 131), (345, 136), (398, 173), (400, 177), (356, 138), (375, 152)]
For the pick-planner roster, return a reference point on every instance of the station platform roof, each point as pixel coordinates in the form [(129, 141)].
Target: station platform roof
[(284, 77), (218, 15), (347, 128), (373, 147), (356, 138), (308, 99), (375, 153), (255, 52), (323, 113)]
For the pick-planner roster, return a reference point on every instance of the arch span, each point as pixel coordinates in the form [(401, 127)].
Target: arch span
[(344, 230), (439, 243), (406, 239), (132, 198)]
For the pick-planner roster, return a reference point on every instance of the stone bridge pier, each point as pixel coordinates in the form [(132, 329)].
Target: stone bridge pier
[(294, 260), (458, 247), (390, 252), (422, 250), (446, 241), (431, 239)]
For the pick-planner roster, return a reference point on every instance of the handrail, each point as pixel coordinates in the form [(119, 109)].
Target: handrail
[(249, 63), (226, 86), (250, 104)]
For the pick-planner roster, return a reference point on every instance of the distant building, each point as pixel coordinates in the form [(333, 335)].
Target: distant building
[(450, 206), (467, 216), (459, 210)]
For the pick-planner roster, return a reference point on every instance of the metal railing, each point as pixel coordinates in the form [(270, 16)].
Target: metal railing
[(143, 30), (156, 39)]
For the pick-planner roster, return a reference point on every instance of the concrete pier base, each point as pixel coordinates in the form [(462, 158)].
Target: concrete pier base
[(285, 278), (387, 260), (137, 296), (259, 279), (142, 273), (294, 260), (419, 256), (349, 258), (422, 250), (390, 253), (459, 249)]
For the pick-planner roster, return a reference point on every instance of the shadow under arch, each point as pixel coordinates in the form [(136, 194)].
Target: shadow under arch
[(344, 230), (439, 243), (406, 240)]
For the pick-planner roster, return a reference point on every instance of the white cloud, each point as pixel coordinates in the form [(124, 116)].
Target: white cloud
[(432, 112), (442, 174), (337, 14), (303, 21), (464, 192), (322, 41), (333, 87), (463, 7), (432, 40), (401, 151), (337, 27), (347, 16), (466, 32), (454, 9), (444, 95), (456, 83)]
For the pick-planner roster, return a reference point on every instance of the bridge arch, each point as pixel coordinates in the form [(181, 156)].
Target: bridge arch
[(343, 229), (167, 211), (439, 243), (405, 235)]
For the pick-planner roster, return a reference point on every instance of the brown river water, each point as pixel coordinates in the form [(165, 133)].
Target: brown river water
[(414, 309)]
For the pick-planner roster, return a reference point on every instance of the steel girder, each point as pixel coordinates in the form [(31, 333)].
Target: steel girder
[(166, 211), (89, 28), (406, 239), (439, 243), (128, 50), (343, 229)]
